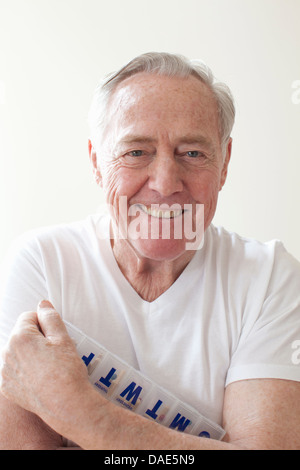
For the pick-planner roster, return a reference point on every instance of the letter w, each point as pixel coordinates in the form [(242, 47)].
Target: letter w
[(131, 392)]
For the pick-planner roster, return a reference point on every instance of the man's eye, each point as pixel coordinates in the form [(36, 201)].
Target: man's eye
[(135, 153), (194, 153)]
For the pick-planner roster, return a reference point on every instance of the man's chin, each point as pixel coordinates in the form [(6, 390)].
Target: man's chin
[(161, 249)]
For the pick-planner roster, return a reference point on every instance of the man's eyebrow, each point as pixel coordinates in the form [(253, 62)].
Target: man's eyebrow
[(185, 139), (196, 139), (130, 139)]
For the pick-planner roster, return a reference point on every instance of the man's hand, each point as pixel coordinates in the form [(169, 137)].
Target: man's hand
[(42, 371)]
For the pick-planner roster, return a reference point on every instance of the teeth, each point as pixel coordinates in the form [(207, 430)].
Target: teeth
[(162, 213)]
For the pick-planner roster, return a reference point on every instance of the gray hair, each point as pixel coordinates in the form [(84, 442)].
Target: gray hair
[(172, 65)]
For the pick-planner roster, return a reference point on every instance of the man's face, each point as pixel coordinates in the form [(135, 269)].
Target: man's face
[(161, 146)]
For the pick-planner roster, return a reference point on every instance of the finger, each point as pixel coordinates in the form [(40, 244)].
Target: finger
[(23, 335), (27, 322), (50, 321)]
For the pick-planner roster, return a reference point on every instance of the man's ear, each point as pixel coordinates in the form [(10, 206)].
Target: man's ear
[(225, 164), (94, 163)]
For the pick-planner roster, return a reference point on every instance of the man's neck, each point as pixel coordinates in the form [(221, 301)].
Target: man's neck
[(149, 278)]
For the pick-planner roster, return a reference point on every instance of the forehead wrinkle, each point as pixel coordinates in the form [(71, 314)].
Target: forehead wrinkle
[(142, 91)]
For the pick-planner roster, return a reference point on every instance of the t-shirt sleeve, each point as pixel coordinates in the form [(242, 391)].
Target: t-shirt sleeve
[(269, 344), (22, 284)]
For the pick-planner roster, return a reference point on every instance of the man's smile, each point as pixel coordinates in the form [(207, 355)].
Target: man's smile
[(160, 212)]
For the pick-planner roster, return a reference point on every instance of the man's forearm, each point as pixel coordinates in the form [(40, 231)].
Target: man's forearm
[(125, 430), (109, 427), (22, 430)]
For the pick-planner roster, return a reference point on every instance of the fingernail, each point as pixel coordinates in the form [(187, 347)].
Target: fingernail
[(45, 304)]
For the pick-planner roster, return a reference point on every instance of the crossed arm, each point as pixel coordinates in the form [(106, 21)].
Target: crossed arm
[(46, 395)]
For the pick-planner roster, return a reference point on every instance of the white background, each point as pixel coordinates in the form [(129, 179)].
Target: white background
[(52, 54)]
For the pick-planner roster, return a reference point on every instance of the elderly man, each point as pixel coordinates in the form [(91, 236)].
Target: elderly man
[(211, 317)]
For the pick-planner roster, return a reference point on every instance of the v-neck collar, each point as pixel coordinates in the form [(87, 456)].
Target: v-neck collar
[(184, 279)]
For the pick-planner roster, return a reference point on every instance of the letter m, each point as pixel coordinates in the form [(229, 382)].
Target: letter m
[(131, 392), (180, 422)]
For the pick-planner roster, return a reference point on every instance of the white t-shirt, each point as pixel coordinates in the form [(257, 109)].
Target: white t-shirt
[(233, 314)]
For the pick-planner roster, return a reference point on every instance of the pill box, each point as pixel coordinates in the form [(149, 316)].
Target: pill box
[(130, 389)]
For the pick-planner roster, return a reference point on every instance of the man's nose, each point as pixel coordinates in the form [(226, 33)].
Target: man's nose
[(165, 176)]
